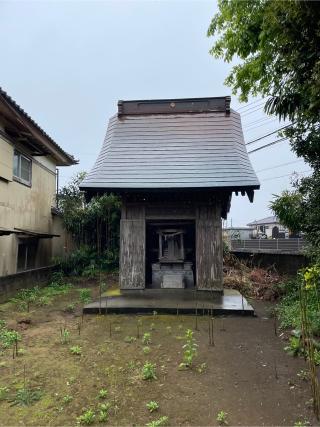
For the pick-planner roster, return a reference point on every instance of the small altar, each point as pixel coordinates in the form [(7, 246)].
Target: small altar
[(172, 271)]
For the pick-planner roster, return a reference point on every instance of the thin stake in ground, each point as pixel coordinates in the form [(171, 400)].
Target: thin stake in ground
[(196, 320), (210, 330)]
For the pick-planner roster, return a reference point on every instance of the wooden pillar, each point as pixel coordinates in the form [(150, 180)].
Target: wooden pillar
[(132, 246), (209, 256)]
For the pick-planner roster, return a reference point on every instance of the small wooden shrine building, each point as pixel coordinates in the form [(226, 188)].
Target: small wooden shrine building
[(175, 163)]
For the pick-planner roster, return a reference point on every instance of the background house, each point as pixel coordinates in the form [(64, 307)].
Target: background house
[(31, 231), (238, 233), (269, 228)]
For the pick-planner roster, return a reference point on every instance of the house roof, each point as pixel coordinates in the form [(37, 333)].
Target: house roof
[(19, 123), (173, 144), (268, 220)]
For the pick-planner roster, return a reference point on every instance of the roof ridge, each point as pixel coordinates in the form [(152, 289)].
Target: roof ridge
[(9, 99)]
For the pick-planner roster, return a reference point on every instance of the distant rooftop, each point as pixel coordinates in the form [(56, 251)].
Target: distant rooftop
[(267, 220), (20, 123), (173, 144)]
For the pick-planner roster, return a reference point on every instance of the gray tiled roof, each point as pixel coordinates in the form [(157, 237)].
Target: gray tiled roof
[(184, 150), (268, 220), (4, 95)]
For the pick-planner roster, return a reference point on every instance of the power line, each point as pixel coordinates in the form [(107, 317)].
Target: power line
[(282, 176), (263, 123), (278, 166), (261, 119), (267, 145), (251, 106), (268, 134), (250, 103), (246, 113)]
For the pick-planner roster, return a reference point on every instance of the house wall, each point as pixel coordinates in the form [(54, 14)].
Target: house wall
[(208, 240), (26, 207)]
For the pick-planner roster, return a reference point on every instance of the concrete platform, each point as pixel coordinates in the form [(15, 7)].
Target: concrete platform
[(171, 301)]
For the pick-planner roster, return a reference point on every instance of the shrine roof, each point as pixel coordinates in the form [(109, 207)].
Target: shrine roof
[(173, 144)]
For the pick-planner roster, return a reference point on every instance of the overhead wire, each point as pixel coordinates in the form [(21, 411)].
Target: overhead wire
[(268, 134), (282, 176), (251, 106), (267, 145), (278, 166)]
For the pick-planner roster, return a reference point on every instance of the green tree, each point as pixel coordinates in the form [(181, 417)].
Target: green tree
[(93, 223), (277, 45)]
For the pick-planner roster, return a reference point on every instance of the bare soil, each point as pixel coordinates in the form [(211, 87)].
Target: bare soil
[(247, 374)]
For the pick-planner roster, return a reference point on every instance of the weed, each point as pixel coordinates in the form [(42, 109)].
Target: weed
[(87, 418), (67, 399), (146, 339), (132, 365), (76, 350), (149, 371), (64, 335), (90, 271), (316, 356), (129, 339), (3, 393), (9, 338), (222, 418), (104, 412), (152, 406), (152, 327), (295, 347), (103, 416), (103, 393), (105, 406), (304, 375), (117, 328), (146, 350), (25, 297), (26, 396), (43, 301), (3, 324), (202, 368), (169, 330), (190, 350), (84, 295), (301, 423), (70, 308), (159, 422)]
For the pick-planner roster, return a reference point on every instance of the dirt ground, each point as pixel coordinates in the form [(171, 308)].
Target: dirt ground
[(247, 374)]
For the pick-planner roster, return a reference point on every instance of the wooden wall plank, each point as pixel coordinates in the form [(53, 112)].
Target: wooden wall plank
[(209, 255), (132, 246)]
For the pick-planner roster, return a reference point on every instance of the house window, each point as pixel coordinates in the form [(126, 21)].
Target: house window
[(27, 251), (22, 168)]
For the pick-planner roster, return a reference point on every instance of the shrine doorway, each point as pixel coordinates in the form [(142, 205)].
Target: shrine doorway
[(170, 254)]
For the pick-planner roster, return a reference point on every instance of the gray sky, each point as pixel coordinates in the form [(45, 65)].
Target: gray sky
[(68, 62)]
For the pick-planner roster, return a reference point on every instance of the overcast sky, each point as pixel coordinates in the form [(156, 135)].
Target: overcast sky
[(68, 62)]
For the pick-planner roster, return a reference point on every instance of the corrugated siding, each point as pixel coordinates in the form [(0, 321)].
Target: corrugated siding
[(173, 151)]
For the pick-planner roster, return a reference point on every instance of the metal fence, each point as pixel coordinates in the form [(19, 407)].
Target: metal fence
[(281, 245)]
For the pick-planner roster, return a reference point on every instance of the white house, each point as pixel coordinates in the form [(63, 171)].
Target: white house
[(269, 228)]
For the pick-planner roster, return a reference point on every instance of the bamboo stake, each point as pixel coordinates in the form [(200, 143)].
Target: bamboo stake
[(196, 325)]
